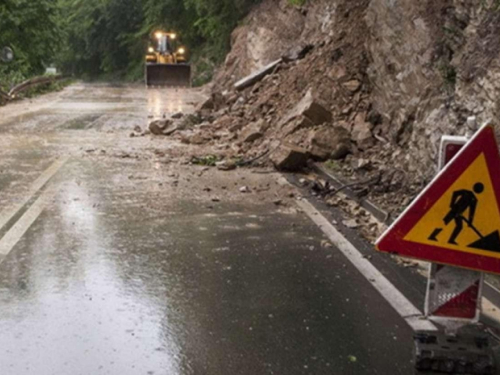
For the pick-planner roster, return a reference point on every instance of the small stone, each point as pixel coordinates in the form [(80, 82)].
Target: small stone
[(362, 132), (197, 139), (158, 126), (326, 244), (253, 131), (351, 223), (278, 202), (225, 165), (244, 189), (353, 85)]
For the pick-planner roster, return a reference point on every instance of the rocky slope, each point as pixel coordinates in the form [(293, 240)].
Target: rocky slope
[(376, 86)]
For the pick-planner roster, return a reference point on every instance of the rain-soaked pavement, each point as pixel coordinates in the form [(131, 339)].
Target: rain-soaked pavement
[(117, 261)]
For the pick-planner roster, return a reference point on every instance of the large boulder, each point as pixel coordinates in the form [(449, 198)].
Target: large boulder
[(329, 142), (310, 108), (289, 158)]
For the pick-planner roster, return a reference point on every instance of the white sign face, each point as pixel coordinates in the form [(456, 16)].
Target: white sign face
[(7, 55)]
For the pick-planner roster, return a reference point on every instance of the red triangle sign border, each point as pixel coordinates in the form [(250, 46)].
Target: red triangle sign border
[(392, 241)]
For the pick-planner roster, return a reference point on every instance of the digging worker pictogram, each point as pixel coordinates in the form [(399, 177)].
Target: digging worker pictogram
[(461, 201)]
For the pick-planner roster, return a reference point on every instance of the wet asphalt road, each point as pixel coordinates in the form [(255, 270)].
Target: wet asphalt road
[(118, 265)]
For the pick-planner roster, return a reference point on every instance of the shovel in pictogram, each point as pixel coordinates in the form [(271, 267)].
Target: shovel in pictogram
[(491, 242)]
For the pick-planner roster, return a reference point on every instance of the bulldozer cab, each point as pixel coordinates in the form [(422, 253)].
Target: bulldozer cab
[(166, 63)]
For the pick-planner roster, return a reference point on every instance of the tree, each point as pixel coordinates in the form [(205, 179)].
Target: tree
[(31, 28)]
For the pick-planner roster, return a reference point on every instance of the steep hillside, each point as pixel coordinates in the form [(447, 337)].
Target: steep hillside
[(394, 77)]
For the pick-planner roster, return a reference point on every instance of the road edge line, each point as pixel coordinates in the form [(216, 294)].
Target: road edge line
[(14, 234), (413, 316), (36, 186)]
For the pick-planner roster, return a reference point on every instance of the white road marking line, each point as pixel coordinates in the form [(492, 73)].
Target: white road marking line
[(492, 287), (10, 212), (17, 231), (396, 299), (490, 310)]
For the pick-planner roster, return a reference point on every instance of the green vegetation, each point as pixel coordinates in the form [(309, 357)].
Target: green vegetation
[(298, 3), (208, 160), (332, 165), (107, 39), (31, 28)]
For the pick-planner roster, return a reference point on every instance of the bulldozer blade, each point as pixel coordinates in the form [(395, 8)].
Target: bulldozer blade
[(491, 242), (165, 75)]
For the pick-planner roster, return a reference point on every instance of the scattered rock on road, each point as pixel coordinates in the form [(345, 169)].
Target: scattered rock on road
[(226, 165), (162, 127), (289, 157), (351, 223)]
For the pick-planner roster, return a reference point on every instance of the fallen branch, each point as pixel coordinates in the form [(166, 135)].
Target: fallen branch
[(33, 82), (368, 182), (4, 96), (256, 76)]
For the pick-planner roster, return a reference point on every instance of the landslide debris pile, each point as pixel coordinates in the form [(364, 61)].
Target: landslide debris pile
[(367, 85), (313, 105)]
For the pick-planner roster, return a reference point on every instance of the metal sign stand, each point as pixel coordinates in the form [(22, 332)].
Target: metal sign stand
[(453, 296)]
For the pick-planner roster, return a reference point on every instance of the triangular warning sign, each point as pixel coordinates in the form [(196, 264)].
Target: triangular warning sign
[(456, 219)]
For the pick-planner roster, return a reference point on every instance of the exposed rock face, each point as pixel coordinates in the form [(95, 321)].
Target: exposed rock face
[(434, 64), (271, 29)]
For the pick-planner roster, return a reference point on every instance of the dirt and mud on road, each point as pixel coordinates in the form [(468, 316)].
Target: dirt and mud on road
[(102, 123)]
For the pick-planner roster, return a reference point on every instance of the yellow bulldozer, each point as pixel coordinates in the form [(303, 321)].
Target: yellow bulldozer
[(167, 64)]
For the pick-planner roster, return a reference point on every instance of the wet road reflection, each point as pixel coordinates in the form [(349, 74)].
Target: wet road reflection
[(120, 277)]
